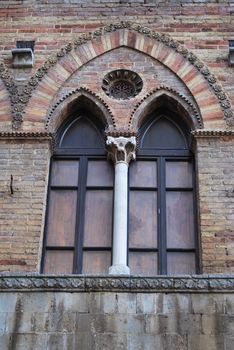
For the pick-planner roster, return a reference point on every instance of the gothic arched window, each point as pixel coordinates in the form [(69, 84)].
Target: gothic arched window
[(162, 210), (78, 233)]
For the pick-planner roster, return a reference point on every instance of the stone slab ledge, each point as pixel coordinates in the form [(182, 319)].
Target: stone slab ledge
[(88, 283)]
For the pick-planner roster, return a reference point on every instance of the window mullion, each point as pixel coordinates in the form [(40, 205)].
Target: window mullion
[(80, 215), (162, 216)]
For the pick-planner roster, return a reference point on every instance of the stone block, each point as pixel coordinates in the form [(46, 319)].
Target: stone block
[(8, 302), (176, 303), (229, 343), (217, 324), (60, 341), (109, 303), (229, 304), (116, 323), (174, 341), (3, 320), (27, 341), (71, 302), (126, 302), (205, 342), (136, 324), (95, 323), (181, 323), (85, 340), (146, 303), (109, 341), (33, 302), (144, 341), (203, 303), (61, 322)]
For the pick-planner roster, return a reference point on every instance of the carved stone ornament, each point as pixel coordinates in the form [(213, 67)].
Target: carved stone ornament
[(180, 284), (122, 84), (121, 149)]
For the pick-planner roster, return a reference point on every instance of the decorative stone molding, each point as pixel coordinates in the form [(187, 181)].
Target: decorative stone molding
[(121, 131), (212, 133), (21, 98), (76, 93), (23, 135), (18, 99), (183, 284), (121, 149), (152, 95), (122, 84)]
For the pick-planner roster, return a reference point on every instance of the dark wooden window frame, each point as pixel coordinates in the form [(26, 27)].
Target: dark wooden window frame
[(161, 156), (81, 189), (83, 155)]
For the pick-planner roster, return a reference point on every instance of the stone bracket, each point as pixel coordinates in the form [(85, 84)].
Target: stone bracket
[(22, 58)]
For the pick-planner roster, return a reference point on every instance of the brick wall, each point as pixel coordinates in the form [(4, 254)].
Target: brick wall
[(22, 212), (216, 199)]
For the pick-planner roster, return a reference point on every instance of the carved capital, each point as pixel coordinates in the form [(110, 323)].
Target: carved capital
[(121, 149)]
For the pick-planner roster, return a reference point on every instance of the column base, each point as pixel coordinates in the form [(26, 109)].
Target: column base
[(119, 269)]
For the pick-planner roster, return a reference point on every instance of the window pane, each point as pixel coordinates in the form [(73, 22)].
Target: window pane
[(143, 263), (100, 173), (96, 262), (64, 173), (98, 218), (58, 261), (180, 263), (62, 218), (143, 219), (180, 220), (143, 174), (179, 174)]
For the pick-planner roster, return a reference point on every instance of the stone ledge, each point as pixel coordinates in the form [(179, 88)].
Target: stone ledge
[(82, 283)]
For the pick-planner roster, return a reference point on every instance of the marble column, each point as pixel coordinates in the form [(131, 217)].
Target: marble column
[(121, 150)]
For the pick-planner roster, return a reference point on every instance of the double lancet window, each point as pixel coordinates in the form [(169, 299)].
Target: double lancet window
[(109, 213)]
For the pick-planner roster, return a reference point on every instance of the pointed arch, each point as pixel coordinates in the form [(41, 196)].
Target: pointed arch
[(76, 100), (172, 100), (212, 101)]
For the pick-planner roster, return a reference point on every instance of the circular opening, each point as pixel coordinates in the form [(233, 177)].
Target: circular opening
[(122, 84)]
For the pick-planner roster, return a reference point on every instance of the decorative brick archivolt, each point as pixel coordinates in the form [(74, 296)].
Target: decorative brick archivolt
[(59, 111), (181, 105), (213, 102), (179, 284)]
